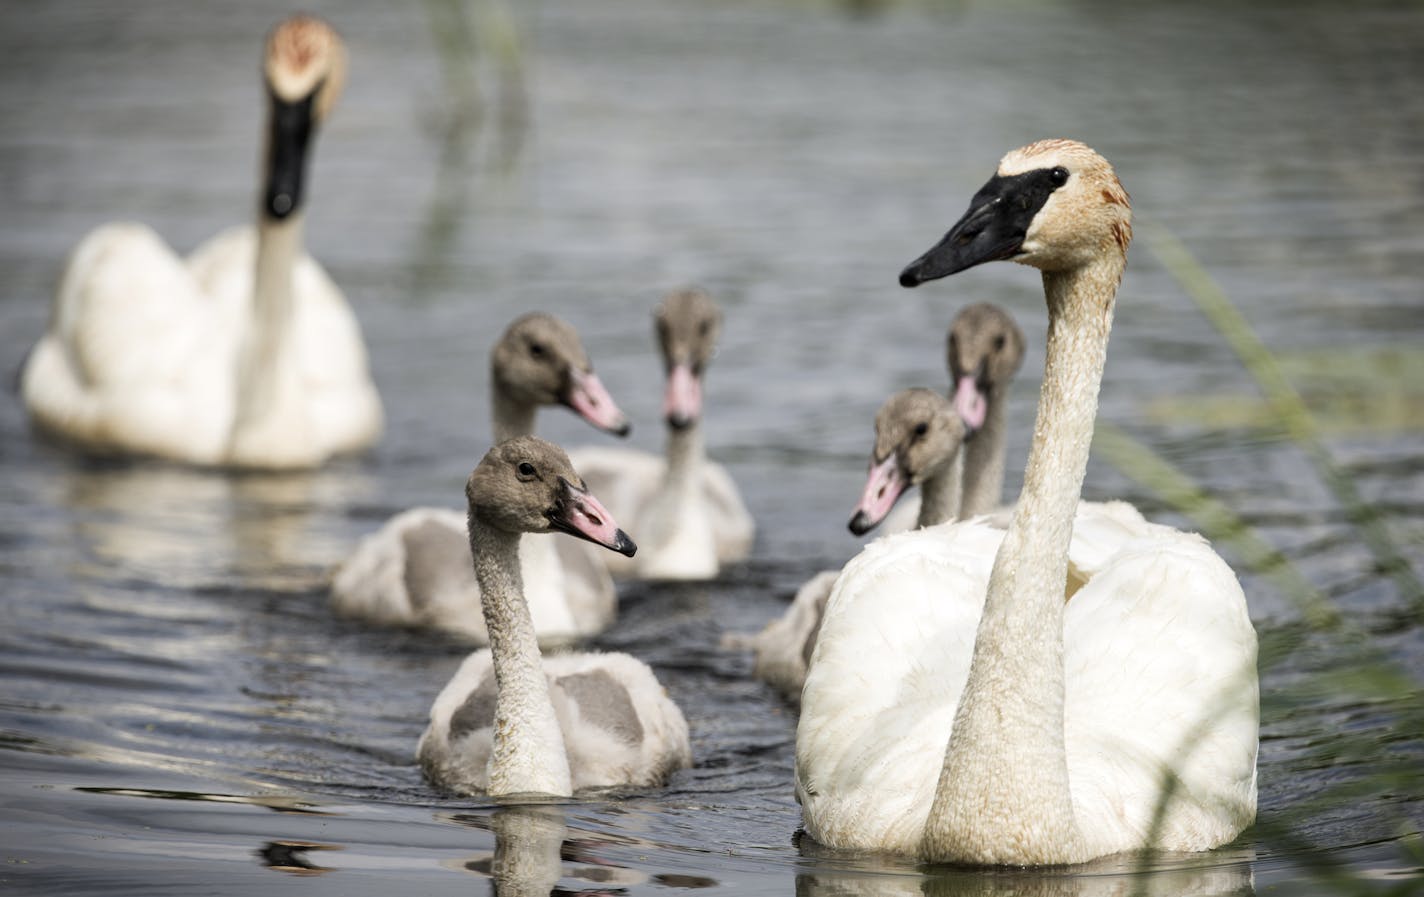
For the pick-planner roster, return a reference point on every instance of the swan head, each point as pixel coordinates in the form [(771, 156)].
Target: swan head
[(305, 68), (917, 436), (527, 485), (984, 350), (1055, 205), (688, 323), (540, 360)]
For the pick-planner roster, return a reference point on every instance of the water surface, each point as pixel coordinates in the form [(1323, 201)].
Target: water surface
[(180, 711)]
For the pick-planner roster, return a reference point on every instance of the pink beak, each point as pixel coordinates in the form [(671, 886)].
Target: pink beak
[(883, 487), (590, 400), (682, 400), (580, 514), (970, 403)]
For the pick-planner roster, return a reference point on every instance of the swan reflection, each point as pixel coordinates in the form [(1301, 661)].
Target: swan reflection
[(534, 853), (184, 527), (1168, 875)]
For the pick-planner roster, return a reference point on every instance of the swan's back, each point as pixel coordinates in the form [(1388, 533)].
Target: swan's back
[(1160, 674), (619, 726), (891, 659), (1157, 642), (631, 480), (416, 571)]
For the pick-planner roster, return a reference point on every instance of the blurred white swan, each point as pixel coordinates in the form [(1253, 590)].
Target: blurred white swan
[(688, 514), (244, 355)]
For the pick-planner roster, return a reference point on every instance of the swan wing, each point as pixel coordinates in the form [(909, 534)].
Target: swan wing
[(1160, 679), (416, 571), (733, 528), (623, 479), (134, 358), (618, 724), (589, 593), (884, 681), (783, 649)]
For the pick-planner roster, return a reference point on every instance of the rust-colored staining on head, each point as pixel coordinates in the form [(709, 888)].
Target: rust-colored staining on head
[(298, 41), (300, 52), (1053, 145), (1122, 234)]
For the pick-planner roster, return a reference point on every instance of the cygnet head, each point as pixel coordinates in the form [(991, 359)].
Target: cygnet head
[(527, 485), (1055, 204), (541, 361), (984, 350), (304, 65), (917, 436), (688, 323)]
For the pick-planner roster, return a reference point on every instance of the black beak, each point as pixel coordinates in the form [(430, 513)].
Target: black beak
[(984, 234), (860, 524), (993, 229), (288, 139)]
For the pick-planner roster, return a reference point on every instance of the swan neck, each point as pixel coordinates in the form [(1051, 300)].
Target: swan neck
[(266, 342), (1003, 795), (984, 461), (528, 755), (685, 451), (512, 417), (939, 494)]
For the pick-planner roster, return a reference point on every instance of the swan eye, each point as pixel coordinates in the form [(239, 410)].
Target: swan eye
[(921, 429), (1059, 176), (704, 328), (536, 349), (999, 343), (527, 471)]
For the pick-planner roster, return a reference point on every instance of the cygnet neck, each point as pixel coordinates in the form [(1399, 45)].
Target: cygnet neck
[(511, 416), (939, 494), (685, 452), (984, 460), (528, 755)]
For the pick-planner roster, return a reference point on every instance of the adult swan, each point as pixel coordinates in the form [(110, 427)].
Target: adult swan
[(246, 354), (1019, 715)]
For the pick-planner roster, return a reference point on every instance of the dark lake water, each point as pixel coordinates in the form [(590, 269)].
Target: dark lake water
[(181, 713)]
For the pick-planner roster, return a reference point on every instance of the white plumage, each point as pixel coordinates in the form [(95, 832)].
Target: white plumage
[(636, 741), (246, 354), (1161, 616), (1079, 684)]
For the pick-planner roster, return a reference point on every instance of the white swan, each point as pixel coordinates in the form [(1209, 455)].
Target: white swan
[(247, 354), (691, 516), (415, 570), (510, 722), (918, 434), (960, 713)]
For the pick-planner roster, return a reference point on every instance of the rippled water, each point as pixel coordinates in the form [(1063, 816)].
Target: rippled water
[(180, 712)]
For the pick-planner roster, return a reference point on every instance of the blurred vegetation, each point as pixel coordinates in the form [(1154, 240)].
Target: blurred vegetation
[(1328, 656), (480, 46)]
